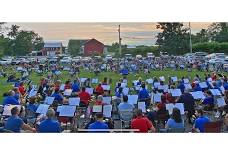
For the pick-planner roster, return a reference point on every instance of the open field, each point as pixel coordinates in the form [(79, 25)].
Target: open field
[(4, 87)]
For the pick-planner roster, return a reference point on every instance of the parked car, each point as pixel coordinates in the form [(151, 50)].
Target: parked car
[(108, 57), (150, 55), (5, 62)]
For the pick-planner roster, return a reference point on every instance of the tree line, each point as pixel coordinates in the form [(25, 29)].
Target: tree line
[(17, 42)]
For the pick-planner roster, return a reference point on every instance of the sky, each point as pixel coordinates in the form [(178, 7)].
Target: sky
[(131, 33)]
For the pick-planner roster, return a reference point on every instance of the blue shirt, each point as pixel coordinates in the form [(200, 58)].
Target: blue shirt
[(10, 100), (125, 107), (14, 123), (32, 107), (174, 125), (200, 122), (181, 87), (57, 96), (49, 126), (143, 94), (98, 125), (197, 88), (225, 86), (75, 87), (124, 72), (208, 100)]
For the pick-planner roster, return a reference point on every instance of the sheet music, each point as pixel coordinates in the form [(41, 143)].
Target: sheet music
[(125, 91), (82, 80), (187, 86), (203, 85), (89, 90), (156, 84), (32, 93), (97, 108), (198, 95), (163, 87), (7, 109), (135, 82), (106, 87), (132, 99), (174, 79), (142, 106), (175, 92), (162, 78), (107, 100), (123, 85), (150, 81), (49, 100), (94, 80), (221, 102), (42, 109), (222, 89), (180, 106), (215, 92), (74, 101), (67, 111), (157, 97), (59, 108), (170, 107), (186, 81), (107, 111), (67, 92)]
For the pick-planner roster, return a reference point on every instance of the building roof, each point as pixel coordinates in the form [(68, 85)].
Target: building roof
[(92, 40), (52, 44)]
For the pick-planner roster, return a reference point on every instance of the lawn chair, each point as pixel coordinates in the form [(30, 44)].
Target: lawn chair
[(125, 117), (213, 127)]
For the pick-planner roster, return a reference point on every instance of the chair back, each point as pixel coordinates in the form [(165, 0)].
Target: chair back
[(213, 127), (126, 115)]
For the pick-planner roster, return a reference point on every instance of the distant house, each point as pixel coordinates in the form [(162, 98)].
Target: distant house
[(92, 47), (52, 48)]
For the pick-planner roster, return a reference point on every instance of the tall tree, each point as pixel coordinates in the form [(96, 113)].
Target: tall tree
[(173, 38), (14, 30), (218, 32), (200, 37)]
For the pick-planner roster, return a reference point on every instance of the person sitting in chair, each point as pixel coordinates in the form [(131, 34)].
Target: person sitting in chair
[(50, 125), (142, 123), (10, 99), (200, 121), (125, 106), (98, 124), (175, 122), (15, 123)]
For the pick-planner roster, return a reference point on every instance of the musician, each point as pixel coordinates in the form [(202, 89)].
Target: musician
[(50, 125), (84, 97), (99, 90), (22, 89), (98, 124), (10, 99), (15, 123)]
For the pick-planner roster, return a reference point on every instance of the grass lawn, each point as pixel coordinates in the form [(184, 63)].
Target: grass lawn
[(4, 87)]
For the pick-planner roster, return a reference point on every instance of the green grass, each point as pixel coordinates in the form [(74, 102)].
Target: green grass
[(4, 87)]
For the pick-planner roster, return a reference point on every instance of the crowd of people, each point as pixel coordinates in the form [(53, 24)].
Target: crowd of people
[(141, 105)]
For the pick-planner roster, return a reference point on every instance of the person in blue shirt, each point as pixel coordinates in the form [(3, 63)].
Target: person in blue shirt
[(225, 84), (10, 99), (208, 101), (58, 96), (181, 86), (197, 87), (124, 71), (75, 86), (98, 124), (119, 92), (200, 122), (143, 93), (124, 106), (14, 123), (50, 125), (32, 105), (175, 122)]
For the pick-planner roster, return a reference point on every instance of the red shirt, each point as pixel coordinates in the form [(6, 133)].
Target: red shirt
[(141, 123), (84, 97), (99, 90), (170, 98), (21, 90)]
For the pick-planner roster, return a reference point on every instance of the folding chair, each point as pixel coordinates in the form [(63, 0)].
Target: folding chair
[(126, 117), (213, 127)]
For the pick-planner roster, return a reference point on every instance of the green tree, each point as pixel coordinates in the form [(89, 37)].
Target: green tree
[(173, 38), (218, 32), (25, 42), (200, 37), (14, 30), (74, 46)]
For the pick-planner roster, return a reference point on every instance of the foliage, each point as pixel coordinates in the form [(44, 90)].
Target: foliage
[(211, 47)]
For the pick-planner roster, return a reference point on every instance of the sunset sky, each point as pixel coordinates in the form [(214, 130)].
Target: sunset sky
[(131, 33)]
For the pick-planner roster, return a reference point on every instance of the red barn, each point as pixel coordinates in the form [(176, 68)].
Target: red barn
[(93, 47)]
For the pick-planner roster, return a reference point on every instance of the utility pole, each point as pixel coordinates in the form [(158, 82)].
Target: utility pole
[(120, 52), (190, 37)]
